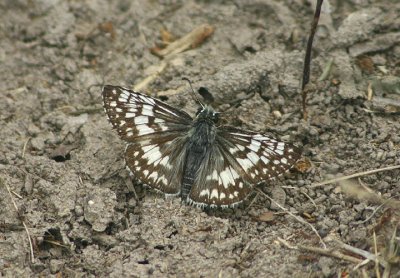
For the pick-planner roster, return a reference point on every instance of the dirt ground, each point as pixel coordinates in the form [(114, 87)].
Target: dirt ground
[(64, 164)]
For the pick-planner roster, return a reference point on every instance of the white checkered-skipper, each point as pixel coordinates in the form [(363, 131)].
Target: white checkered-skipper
[(205, 164)]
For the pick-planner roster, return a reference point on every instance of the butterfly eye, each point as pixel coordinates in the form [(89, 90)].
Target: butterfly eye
[(215, 117)]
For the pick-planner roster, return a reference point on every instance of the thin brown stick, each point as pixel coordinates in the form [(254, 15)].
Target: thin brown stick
[(335, 180), (367, 255), (2, 181), (307, 59), (331, 253), (287, 244)]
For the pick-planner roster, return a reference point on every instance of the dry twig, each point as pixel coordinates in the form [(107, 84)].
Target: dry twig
[(307, 58), (192, 39), (25, 144), (335, 180), (330, 253), (295, 217)]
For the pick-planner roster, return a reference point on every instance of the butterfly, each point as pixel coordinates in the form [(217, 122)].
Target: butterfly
[(205, 164)]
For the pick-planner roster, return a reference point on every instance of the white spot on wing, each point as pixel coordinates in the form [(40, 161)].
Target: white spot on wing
[(168, 111), (144, 129), (254, 145), (163, 127), (163, 180), (204, 192), (264, 159), (147, 100), (264, 138), (244, 163), (122, 98), (148, 107), (280, 146), (214, 194), (148, 113), (158, 120), (152, 155), (130, 115), (253, 157), (239, 134), (235, 175), (141, 120), (132, 105), (226, 177), (153, 176), (233, 150), (164, 162)]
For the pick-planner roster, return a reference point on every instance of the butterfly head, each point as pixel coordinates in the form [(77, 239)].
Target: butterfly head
[(207, 113)]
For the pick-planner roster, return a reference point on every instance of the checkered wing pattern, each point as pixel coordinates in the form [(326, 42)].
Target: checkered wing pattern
[(155, 133), (238, 160), (205, 164)]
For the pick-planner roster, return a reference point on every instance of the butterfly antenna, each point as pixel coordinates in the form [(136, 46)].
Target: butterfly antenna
[(193, 93)]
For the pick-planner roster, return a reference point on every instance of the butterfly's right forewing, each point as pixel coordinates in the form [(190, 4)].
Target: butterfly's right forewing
[(137, 117), (156, 134)]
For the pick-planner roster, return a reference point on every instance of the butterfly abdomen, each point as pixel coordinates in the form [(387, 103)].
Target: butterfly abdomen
[(198, 145)]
